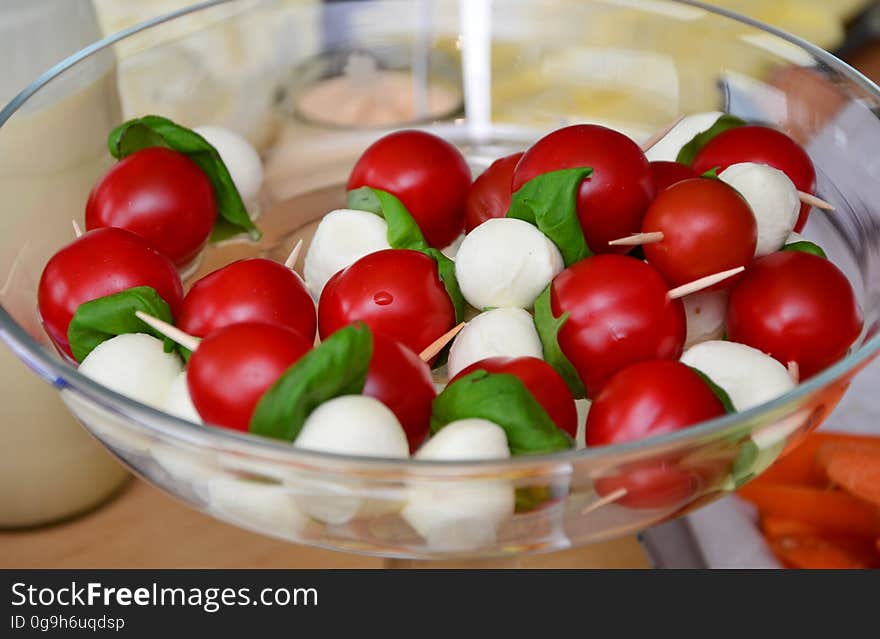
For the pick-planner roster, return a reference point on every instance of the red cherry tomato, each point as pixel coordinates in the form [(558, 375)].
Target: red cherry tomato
[(650, 485), (403, 382), (796, 307), (162, 196), (426, 173), (232, 368), (707, 228), (762, 145), (542, 382), (250, 290), (619, 314), (664, 174), (100, 263), (649, 399), (396, 292), (613, 200), (490, 194)]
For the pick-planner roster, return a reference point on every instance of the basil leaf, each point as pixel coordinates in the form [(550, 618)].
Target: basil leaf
[(719, 392), (548, 328), (98, 320), (711, 174), (338, 366), (806, 247), (154, 130), (549, 201), (504, 400), (689, 151), (404, 233)]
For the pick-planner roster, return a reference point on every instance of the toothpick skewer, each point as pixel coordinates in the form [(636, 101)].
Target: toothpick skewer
[(186, 340), (812, 200), (610, 498), (294, 255), (437, 345), (703, 283), (794, 372), (659, 135), (638, 239), (77, 231)]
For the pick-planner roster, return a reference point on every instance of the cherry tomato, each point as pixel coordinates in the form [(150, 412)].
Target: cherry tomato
[(664, 174), (233, 366), (162, 196), (250, 290), (426, 173), (100, 263), (650, 485), (762, 145), (613, 200), (403, 382), (619, 314), (796, 307), (707, 228), (396, 292), (542, 382), (490, 194)]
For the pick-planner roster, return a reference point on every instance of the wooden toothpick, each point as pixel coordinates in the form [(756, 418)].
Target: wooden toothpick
[(437, 345), (610, 498), (703, 283), (294, 255), (638, 239), (659, 135), (189, 342), (812, 200), (794, 372), (77, 231)]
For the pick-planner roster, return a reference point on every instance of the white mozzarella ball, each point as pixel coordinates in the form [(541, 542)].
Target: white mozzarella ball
[(342, 238), (179, 403), (706, 313), (670, 144), (135, 365), (501, 332), (505, 262), (465, 514), (267, 507), (773, 199), (747, 375), (240, 158)]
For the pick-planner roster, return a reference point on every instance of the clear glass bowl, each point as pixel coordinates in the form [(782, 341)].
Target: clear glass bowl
[(525, 67)]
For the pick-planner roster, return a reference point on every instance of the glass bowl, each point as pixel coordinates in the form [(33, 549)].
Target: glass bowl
[(525, 68)]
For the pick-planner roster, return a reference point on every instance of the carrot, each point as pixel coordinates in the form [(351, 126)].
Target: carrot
[(821, 553), (828, 510), (775, 527), (799, 465), (853, 467)]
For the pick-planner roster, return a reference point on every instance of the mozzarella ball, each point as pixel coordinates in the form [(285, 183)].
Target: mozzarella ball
[(465, 514), (342, 238), (773, 199), (179, 403), (706, 313), (135, 365), (501, 332), (747, 375), (692, 125), (267, 507), (505, 262), (240, 158)]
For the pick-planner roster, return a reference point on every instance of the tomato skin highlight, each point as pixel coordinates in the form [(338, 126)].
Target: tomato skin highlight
[(100, 263), (795, 306), (426, 173), (249, 290), (160, 195), (707, 228), (664, 174), (403, 382), (234, 366), (490, 194), (541, 380), (397, 292), (613, 200), (619, 314), (762, 145)]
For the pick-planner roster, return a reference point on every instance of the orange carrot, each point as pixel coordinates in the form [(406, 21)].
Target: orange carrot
[(775, 527), (820, 553), (799, 466), (853, 467), (828, 510)]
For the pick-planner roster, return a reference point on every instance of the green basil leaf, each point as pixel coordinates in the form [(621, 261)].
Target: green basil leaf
[(719, 392), (549, 201), (689, 151), (548, 328), (154, 130), (806, 247), (504, 400), (101, 319), (711, 174), (404, 233), (338, 366)]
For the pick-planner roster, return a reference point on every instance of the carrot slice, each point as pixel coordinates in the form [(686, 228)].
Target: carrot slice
[(829, 510), (853, 467), (799, 465), (819, 553), (775, 527)]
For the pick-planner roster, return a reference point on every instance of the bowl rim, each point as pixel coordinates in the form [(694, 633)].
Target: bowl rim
[(63, 376)]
